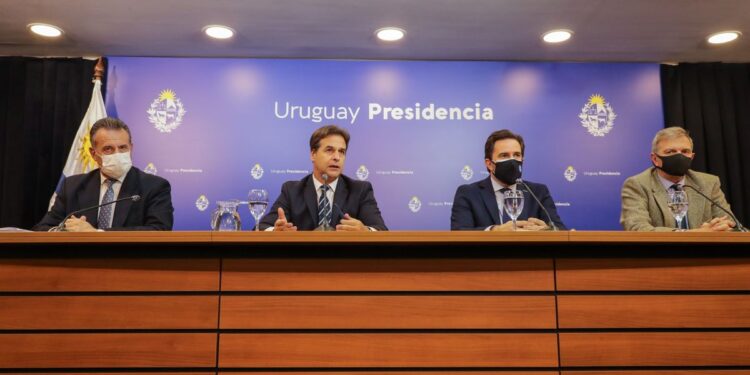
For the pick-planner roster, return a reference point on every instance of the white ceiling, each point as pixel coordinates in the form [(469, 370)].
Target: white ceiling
[(605, 30)]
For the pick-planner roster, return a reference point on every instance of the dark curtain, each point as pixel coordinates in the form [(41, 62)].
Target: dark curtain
[(712, 101), (42, 103)]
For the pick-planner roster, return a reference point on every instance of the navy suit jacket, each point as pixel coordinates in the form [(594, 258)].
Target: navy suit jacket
[(152, 212), (475, 206), (300, 203)]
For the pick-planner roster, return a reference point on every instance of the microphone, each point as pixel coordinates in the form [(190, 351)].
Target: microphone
[(61, 227), (714, 203), (549, 218), (333, 204)]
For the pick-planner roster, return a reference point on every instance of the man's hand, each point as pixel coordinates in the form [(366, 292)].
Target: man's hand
[(75, 224), (507, 226), (717, 224), (281, 224), (533, 224), (349, 223)]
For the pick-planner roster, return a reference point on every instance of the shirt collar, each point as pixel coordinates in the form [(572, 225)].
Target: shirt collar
[(668, 184), (496, 186), (332, 185), (103, 178)]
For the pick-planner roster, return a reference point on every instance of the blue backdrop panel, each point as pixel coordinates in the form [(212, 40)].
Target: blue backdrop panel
[(215, 128)]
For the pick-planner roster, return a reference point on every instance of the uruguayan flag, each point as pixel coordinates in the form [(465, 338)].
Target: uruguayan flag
[(79, 159)]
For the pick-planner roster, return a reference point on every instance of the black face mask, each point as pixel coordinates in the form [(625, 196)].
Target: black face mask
[(508, 171), (675, 165)]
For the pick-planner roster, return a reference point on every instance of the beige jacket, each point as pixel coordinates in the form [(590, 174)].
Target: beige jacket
[(644, 201)]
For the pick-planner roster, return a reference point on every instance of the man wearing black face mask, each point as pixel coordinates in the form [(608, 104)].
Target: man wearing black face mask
[(645, 196), (479, 206)]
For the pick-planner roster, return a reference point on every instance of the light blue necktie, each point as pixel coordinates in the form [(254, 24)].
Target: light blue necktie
[(105, 212)]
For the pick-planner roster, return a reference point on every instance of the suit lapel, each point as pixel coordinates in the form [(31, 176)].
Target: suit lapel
[(129, 187), (490, 200), (91, 198), (311, 200), (696, 206), (339, 198), (660, 196), (527, 202)]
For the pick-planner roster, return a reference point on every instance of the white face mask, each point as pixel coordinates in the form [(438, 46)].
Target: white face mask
[(116, 165)]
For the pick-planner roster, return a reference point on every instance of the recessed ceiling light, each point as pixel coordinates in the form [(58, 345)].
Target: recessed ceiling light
[(390, 34), (724, 37), (218, 31), (47, 30), (557, 36)]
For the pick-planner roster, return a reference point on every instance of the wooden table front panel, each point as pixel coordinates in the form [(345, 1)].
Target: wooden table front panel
[(107, 350), (109, 275), (344, 350), (388, 275), (387, 312)]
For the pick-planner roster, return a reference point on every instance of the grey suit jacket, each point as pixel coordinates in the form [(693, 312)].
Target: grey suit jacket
[(644, 201)]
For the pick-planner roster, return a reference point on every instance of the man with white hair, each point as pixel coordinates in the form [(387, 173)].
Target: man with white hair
[(645, 196)]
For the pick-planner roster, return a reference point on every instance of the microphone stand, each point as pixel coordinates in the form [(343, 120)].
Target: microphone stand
[(549, 218), (61, 227), (714, 203)]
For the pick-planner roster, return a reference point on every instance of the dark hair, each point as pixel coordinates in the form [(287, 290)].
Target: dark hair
[(326, 131), (499, 135), (110, 123)]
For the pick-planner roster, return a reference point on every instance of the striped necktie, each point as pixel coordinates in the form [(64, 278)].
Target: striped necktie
[(105, 212), (324, 206)]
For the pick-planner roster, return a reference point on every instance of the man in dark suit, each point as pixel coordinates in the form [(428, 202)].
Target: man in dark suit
[(479, 206), (325, 199), (115, 178)]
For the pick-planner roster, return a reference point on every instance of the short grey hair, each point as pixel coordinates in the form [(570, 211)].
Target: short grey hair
[(671, 132), (110, 123)]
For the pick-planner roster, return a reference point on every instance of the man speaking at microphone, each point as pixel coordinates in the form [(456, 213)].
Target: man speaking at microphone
[(325, 199), (645, 196), (479, 206), (116, 180)]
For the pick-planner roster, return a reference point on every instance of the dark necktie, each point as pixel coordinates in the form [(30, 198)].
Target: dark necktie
[(324, 206), (105, 212)]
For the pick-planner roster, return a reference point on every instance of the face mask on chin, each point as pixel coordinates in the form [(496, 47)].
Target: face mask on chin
[(675, 165), (508, 171), (116, 165)]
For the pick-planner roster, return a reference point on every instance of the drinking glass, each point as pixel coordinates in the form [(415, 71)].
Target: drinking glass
[(257, 202), (678, 204), (513, 204)]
